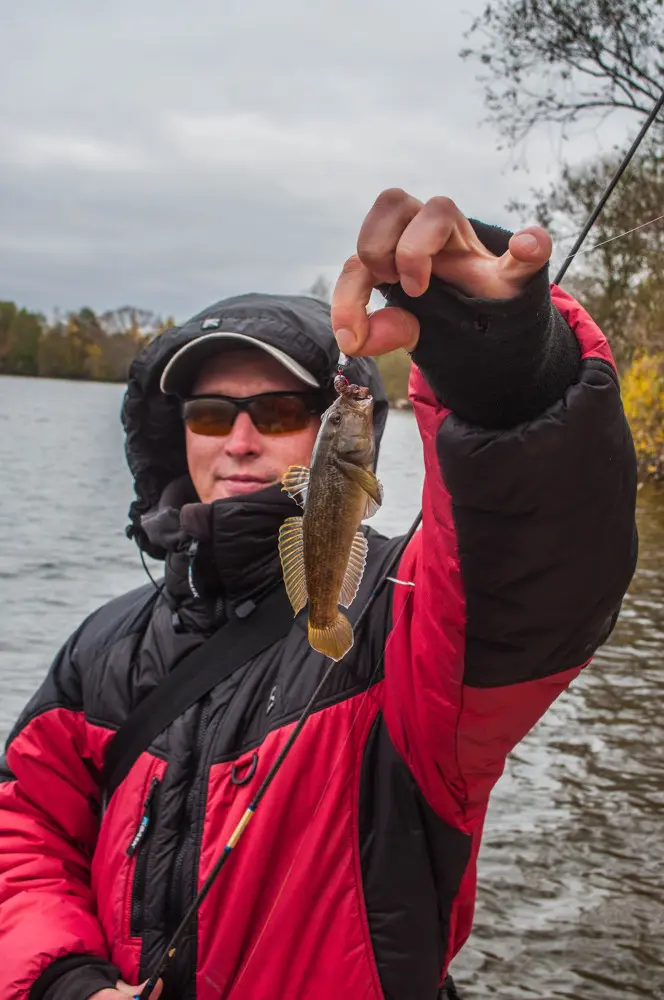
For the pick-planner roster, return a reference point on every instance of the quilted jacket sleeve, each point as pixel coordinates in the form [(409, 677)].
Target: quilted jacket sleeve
[(528, 539), (49, 803)]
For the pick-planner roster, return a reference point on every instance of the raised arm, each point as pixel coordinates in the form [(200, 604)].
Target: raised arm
[(528, 541)]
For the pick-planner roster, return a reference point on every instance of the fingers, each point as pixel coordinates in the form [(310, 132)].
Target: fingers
[(125, 989), (400, 236), (381, 231), (390, 329), (349, 306), (396, 241), (528, 251), (358, 333), (403, 240), (438, 226)]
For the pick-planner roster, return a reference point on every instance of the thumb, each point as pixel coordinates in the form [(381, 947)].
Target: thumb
[(387, 330), (527, 252)]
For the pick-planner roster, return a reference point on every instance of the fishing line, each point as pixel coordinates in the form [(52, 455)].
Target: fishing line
[(171, 948), (612, 238), (179, 933), (608, 191), (305, 834)]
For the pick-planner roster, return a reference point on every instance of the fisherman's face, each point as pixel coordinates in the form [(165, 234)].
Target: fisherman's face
[(245, 460)]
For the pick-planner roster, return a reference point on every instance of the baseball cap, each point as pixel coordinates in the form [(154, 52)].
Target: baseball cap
[(180, 372)]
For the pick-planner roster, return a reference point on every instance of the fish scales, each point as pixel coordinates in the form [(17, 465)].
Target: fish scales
[(335, 504), (323, 553)]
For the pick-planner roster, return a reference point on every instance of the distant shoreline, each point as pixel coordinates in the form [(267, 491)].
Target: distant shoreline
[(400, 403)]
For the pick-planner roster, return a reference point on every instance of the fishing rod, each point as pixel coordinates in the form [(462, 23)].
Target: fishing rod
[(592, 218), (232, 842), (170, 951)]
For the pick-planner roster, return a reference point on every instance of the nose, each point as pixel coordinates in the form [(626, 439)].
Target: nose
[(244, 440)]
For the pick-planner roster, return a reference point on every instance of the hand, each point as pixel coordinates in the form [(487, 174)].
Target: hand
[(124, 990), (404, 240)]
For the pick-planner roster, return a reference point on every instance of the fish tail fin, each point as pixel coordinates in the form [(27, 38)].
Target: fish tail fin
[(334, 640)]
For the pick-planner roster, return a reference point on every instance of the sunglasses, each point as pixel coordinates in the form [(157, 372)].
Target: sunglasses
[(270, 412)]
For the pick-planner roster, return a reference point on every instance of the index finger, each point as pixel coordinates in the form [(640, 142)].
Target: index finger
[(350, 299)]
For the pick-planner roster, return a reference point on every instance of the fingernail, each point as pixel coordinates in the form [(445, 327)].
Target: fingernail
[(346, 341), (411, 286), (528, 242)]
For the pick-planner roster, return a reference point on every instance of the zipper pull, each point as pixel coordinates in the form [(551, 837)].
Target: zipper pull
[(191, 553), (142, 830)]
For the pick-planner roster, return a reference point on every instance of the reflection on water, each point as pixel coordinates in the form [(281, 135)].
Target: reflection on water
[(572, 864), (571, 900)]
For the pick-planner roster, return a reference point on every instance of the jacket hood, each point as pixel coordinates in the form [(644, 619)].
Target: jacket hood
[(155, 446)]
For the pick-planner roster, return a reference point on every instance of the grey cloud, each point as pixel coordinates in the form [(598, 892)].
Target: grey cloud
[(165, 157)]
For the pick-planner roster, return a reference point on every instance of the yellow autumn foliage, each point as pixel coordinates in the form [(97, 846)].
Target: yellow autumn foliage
[(643, 398), (394, 370)]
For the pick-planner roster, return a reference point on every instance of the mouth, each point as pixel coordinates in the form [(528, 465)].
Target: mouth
[(246, 484)]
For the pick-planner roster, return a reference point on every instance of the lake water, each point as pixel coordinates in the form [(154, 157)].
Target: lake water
[(571, 900)]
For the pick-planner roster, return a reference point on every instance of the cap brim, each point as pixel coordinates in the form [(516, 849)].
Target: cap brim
[(178, 375)]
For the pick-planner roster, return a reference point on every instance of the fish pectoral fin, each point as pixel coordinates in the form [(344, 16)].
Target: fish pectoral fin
[(372, 505), (291, 553), (354, 571), (333, 640), (369, 484), (296, 483)]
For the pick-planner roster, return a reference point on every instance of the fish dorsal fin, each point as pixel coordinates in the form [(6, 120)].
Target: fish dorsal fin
[(369, 484), (291, 553), (296, 483), (354, 571)]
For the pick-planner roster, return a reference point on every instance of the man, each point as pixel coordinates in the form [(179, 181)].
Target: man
[(356, 877)]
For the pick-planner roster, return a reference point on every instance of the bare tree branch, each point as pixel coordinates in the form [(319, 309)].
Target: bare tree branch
[(563, 60), (622, 282)]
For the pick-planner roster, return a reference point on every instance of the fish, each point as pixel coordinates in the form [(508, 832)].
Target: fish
[(323, 553)]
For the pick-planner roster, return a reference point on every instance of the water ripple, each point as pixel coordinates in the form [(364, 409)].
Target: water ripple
[(571, 873)]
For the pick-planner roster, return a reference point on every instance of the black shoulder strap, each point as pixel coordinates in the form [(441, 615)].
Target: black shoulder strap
[(191, 678)]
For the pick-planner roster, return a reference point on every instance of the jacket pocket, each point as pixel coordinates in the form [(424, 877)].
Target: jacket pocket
[(138, 849)]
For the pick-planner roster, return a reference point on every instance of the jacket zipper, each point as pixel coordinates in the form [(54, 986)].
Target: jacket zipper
[(137, 849), (176, 886)]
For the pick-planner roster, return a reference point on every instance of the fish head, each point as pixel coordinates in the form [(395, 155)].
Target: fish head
[(347, 428)]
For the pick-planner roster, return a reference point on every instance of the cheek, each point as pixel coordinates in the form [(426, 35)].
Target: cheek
[(296, 449), (200, 450)]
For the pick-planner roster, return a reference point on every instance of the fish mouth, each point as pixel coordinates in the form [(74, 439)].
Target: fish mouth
[(358, 403), (350, 392)]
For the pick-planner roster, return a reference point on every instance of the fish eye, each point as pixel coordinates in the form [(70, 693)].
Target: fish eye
[(335, 418)]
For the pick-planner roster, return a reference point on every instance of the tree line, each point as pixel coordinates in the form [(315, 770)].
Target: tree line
[(87, 346), (554, 63), (80, 345), (566, 64)]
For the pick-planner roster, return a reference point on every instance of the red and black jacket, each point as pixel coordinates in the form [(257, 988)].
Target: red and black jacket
[(357, 876)]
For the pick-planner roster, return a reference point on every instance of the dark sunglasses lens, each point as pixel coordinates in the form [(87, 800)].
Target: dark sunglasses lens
[(279, 414), (211, 417)]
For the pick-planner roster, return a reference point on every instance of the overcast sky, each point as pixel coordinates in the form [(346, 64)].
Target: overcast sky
[(166, 154)]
